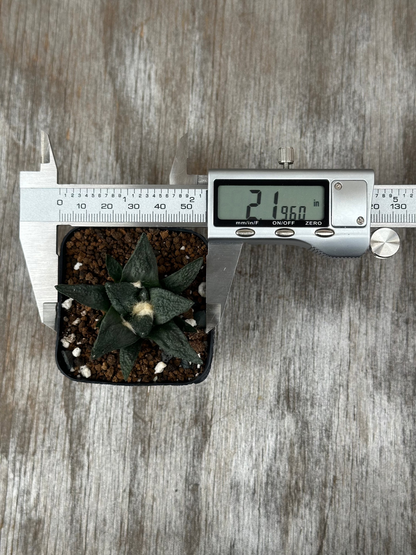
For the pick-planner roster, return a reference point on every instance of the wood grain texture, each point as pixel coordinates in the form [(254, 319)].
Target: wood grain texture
[(302, 439)]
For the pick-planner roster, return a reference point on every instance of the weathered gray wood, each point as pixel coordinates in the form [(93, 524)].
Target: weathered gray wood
[(302, 439)]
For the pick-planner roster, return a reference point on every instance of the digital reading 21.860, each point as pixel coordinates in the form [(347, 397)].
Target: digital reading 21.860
[(270, 200)]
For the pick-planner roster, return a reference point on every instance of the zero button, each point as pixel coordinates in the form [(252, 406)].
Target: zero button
[(323, 232)]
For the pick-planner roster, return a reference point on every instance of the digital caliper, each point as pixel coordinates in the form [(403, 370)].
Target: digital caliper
[(329, 211)]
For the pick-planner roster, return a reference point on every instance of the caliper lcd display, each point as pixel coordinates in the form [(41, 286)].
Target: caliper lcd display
[(271, 202)]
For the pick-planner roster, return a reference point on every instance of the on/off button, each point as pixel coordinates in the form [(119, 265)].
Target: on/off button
[(284, 232)]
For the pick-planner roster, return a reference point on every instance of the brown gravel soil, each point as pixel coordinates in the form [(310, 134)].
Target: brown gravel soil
[(83, 261)]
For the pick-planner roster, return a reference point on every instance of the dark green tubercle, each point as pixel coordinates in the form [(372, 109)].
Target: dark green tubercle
[(138, 306), (173, 342), (113, 335), (123, 296), (142, 265), (114, 268), (167, 305), (128, 356), (94, 296), (182, 279)]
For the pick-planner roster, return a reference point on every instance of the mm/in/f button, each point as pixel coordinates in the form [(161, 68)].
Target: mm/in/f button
[(245, 232)]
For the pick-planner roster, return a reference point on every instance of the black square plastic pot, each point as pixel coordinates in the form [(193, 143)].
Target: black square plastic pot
[(62, 361)]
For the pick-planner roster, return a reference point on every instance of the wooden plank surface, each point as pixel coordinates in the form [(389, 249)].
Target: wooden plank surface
[(302, 439)]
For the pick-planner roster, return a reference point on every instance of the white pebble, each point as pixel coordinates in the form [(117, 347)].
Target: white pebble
[(155, 379), (67, 304), (85, 371), (182, 248), (191, 322), (160, 366), (84, 313), (187, 257), (76, 352), (202, 289), (75, 322), (66, 341), (77, 265)]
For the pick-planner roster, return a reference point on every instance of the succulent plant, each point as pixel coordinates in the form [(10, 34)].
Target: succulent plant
[(138, 306)]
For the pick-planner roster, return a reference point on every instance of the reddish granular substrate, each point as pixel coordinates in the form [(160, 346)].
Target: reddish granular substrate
[(89, 246)]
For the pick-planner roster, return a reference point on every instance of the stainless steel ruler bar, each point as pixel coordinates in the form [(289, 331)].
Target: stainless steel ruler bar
[(158, 204)]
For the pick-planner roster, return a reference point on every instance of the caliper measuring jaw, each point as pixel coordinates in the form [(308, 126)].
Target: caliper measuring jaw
[(328, 211), (41, 259), (45, 206)]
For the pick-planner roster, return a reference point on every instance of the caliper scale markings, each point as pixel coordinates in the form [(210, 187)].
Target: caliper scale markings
[(100, 204), (393, 206)]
